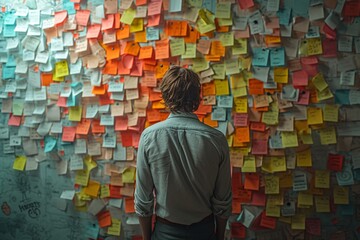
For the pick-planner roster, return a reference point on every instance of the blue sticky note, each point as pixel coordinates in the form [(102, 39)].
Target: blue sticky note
[(284, 16), (11, 62), (8, 73), (342, 97), (10, 18), (218, 114), (9, 31), (209, 5), (346, 209), (260, 57), (275, 141), (50, 144), (225, 101), (222, 127), (152, 34), (92, 230), (70, 102), (345, 177), (277, 57), (301, 8), (69, 7), (175, 6), (75, 68), (120, 152)]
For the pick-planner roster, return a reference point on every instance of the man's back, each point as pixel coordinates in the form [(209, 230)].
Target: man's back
[(184, 157)]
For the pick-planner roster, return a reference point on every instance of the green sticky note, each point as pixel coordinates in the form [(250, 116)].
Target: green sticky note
[(227, 39), (190, 51), (128, 16), (177, 46), (18, 107), (223, 10)]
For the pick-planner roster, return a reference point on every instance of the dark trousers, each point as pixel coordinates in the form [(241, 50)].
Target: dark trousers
[(204, 230)]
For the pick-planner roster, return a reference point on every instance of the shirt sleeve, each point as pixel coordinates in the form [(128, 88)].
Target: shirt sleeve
[(144, 197), (222, 197)]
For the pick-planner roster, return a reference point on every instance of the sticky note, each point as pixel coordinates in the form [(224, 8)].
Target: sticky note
[(304, 159), (19, 163), (322, 179), (61, 69), (289, 139), (115, 227), (128, 16), (249, 164), (272, 184), (331, 113), (314, 115)]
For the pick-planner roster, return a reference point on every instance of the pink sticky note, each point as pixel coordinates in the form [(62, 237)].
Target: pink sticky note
[(154, 20), (241, 120), (121, 123), (259, 147), (62, 102), (154, 7), (245, 4), (309, 60), (93, 31), (60, 17), (68, 134), (82, 17), (311, 69), (14, 121), (258, 199), (108, 22), (304, 97), (128, 61), (300, 78), (313, 226), (136, 70)]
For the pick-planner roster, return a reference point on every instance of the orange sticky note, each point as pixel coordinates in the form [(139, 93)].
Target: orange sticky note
[(96, 127), (132, 48), (256, 87), (129, 205), (99, 90), (92, 188), (104, 219), (146, 52), (83, 127), (46, 79), (217, 49), (123, 32), (176, 28), (68, 134), (242, 134), (162, 49), (252, 181)]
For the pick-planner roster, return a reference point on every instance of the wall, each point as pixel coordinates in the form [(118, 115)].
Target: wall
[(79, 84)]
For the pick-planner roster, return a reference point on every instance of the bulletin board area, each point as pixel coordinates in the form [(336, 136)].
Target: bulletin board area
[(80, 82)]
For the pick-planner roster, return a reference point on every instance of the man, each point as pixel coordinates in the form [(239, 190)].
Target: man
[(186, 164)]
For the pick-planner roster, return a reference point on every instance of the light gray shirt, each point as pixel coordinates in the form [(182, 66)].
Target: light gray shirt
[(186, 164)]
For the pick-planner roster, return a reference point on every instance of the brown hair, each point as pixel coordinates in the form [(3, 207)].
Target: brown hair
[(180, 89)]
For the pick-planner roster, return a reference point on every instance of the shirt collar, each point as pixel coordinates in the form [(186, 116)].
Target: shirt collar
[(183, 114)]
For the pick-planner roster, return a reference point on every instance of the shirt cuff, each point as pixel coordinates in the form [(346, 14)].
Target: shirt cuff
[(222, 208), (144, 208)]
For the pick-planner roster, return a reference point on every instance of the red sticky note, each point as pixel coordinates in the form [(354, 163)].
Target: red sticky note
[(258, 199), (329, 47), (313, 226), (126, 138), (236, 184), (304, 97), (121, 123), (14, 121), (104, 219), (335, 162), (245, 4), (258, 126), (115, 191), (268, 222), (300, 78), (259, 147), (237, 230), (68, 134)]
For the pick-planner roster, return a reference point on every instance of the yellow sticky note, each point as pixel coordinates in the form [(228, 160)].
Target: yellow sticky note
[(75, 113), (177, 46), (278, 164), (221, 87), (137, 25), (249, 164), (219, 71), (61, 69), (89, 163), (324, 94), (305, 199), (322, 179), (204, 28), (289, 139), (322, 203), (281, 74), (82, 177), (272, 210), (239, 92), (19, 163), (314, 115), (328, 136), (271, 117), (128, 175), (225, 21), (314, 46), (341, 195), (227, 39), (319, 82), (128, 16), (331, 113), (104, 191), (298, 222), (200, 64), (303, 159), (306, 138), (190, 51), (237, 81), (115, 227), (92, 189), (241, 104), (240, 46), (272, 185)]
